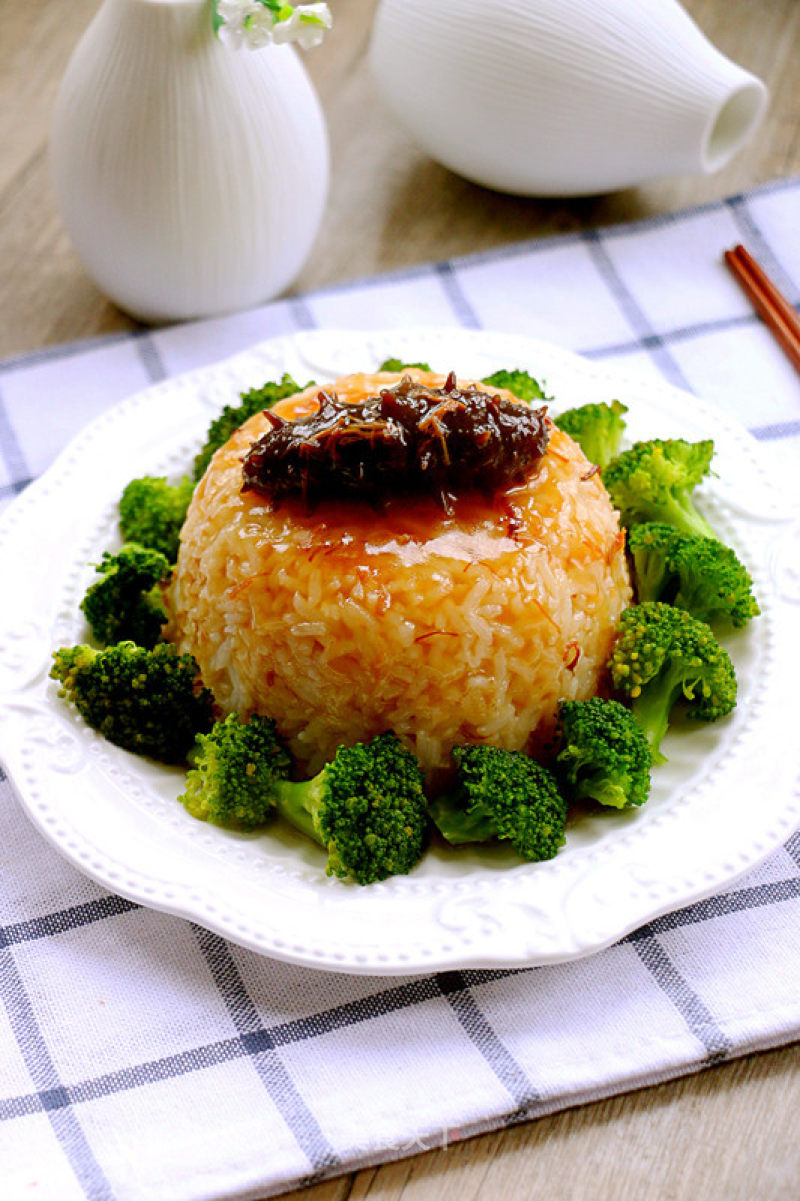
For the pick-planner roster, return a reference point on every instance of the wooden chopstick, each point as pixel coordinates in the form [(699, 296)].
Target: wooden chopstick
[(772, 307)]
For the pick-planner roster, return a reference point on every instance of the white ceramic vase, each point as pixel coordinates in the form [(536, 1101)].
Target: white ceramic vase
[(562, 97), (191, 177)]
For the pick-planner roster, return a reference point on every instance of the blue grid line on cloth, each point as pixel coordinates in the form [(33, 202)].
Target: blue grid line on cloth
[(532, 246), (258, 1038), (735, 901), (760, 246), (167, 1067), (61, 920), (462, 309), (149, 355), (110, 905), (303, 319), (7, 491), (776, 432), (793, 848), (301, 314), (537, 245), (695, 1013), (259, 1042), (53, 1098), (646, 336), (455, 987), (676, 335), (63, 350), (256, 1041), (271, 1070), (282, 1090)]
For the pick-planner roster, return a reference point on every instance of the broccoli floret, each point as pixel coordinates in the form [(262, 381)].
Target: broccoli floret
[(232, 416), (519, 382), (653, 481), (234, 769), (399, 365), (501, 794), (604, 754), (690, 571), (126, 603), (597, 428), (366, 808), (152, 511), (147, 701), (663, 655)]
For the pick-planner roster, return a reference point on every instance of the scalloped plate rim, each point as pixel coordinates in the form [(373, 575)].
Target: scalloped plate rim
[(188, 902)]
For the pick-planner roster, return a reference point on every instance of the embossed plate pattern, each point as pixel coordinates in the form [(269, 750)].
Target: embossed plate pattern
[(727, 797)]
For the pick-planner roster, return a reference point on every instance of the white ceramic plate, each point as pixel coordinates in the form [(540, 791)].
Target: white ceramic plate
[(726, 798)]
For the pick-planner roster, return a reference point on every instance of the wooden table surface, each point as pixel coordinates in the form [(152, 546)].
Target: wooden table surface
[(731, 1132)]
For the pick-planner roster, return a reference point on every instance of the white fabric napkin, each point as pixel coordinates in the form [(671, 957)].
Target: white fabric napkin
[(142, 1057)]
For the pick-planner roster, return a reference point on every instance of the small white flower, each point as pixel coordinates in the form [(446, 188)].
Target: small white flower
[(306, 26), (286, 30), (255, 23), (234, 15), (258, 28), (315, 20)]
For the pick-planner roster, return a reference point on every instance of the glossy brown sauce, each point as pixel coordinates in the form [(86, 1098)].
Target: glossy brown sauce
[(408, 441)]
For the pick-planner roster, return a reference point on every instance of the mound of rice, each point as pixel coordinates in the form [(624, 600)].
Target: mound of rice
[(348, 622)]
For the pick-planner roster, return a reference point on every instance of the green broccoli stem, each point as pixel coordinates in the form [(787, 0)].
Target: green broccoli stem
[(653, 706), (650, 574), (458, 825), (684, 514), (298, 802)]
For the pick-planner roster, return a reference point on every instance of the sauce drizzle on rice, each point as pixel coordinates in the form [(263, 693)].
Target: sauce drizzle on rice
[(445, 626), (410, 438)]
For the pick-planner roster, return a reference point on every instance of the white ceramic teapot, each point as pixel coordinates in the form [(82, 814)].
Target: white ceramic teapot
[(562, 97), (191, 177)]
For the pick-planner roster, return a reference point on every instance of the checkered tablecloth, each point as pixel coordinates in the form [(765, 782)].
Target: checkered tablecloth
[(142, 1057)]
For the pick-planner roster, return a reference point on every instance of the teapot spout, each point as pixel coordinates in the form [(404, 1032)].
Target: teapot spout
[(737, 114), (562, 97)]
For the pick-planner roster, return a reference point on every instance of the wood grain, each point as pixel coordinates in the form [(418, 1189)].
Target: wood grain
[(722, 1135), (390, 206), (729, 1133)]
